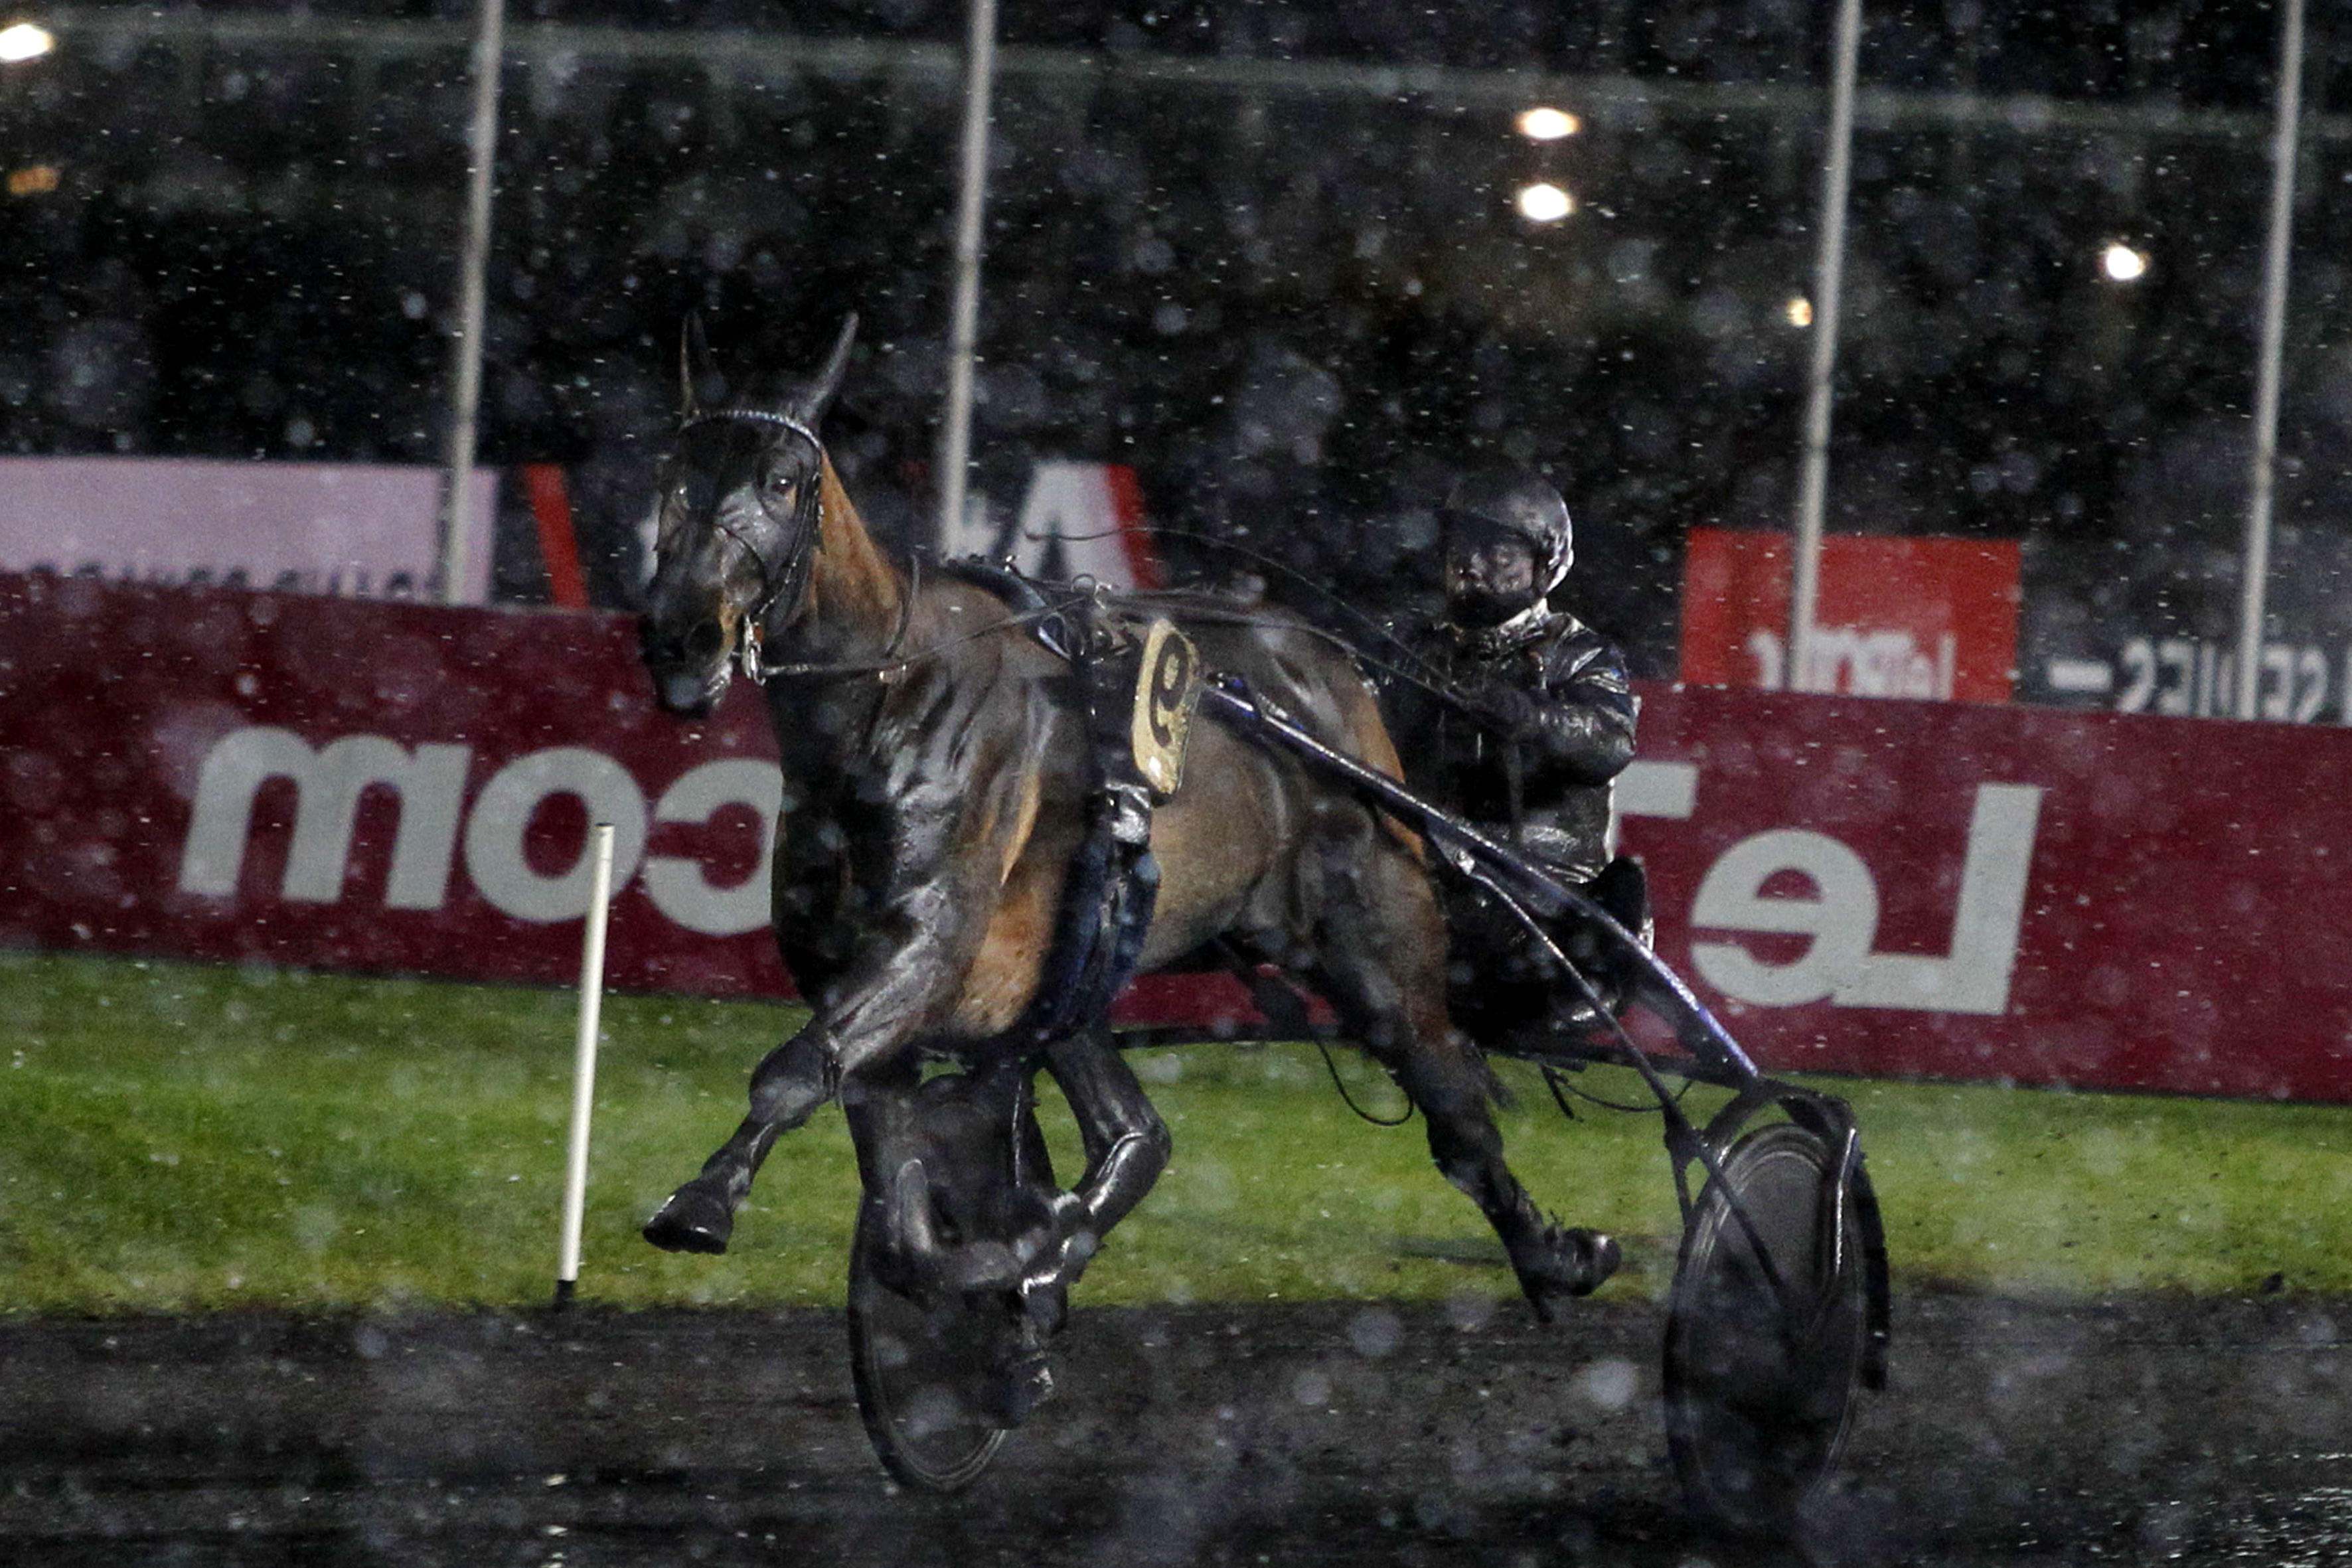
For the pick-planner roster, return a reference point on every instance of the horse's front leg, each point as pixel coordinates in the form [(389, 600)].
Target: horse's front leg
[(787, 1087), (908, 974), (911, 964), (1126, 1147)]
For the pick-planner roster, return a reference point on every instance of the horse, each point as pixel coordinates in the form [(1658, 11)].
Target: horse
[(935, 792)]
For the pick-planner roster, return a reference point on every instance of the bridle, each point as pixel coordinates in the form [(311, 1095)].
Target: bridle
[(803, 525), (775, 584)]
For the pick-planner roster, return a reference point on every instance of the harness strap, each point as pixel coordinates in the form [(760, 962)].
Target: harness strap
[(1025, 596), (1113, 882), (793, 423), (774, 584)]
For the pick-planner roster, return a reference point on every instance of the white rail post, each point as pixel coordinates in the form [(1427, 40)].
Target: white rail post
[(455, 564), (1829, 290), (584, 1067), (963, 334), (2254, 565)]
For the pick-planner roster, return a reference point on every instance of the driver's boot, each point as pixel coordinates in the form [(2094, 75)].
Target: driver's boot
[(1622, 891)]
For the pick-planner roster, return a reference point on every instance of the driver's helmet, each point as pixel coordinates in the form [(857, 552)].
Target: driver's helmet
[(1508, 497)]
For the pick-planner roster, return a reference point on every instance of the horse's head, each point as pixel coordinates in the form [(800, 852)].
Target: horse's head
[(739, 514)]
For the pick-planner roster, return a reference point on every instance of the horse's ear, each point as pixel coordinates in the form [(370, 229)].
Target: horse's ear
[(819, 395), (697, 371)]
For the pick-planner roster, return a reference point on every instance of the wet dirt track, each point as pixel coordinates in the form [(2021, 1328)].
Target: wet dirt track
[(2138, 1431)]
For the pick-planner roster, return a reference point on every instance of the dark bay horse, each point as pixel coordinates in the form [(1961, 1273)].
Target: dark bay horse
[(935, 790)]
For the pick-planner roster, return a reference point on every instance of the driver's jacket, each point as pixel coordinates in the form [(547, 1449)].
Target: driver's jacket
[(1544, 786)]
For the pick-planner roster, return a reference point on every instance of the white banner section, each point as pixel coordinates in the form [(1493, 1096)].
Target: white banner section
[(1076, 519), (364, 530)]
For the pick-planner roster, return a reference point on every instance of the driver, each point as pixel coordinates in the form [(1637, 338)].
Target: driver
[(1538, 722)]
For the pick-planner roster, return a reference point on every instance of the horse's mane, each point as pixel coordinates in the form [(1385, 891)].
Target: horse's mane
[(850, 577)]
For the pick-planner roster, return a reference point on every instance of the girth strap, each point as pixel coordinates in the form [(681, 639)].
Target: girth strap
[(1113, 881)]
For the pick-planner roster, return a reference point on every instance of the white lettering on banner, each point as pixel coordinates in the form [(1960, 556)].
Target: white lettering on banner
[(1985, 922), (1652, 789), (327, 783), (2186, 675), (1840, 915), (1842, 918), (679, 886), (494, 831), (1861, 663), (430, 783)]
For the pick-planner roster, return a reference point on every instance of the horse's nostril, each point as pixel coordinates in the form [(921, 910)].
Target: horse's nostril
[(705, 640)]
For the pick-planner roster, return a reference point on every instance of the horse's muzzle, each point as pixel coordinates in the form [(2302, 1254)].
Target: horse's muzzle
[(689, 673), (688, 694)]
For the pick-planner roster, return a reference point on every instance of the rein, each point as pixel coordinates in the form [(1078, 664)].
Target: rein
[(891, 668), (805, 523), (1427, 676)]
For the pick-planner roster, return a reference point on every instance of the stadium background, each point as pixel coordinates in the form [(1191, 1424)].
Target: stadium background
[(1267, 255)]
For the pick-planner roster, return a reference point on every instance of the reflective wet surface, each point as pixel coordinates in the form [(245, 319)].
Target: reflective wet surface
[(2142, 1430)]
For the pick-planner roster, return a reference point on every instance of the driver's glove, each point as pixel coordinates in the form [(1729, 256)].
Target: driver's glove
[(1499, 706)]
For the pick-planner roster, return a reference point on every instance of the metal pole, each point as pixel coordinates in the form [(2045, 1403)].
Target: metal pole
[(583, 1061), (1828, 284), (466, 350), (972, 199), (2254, 567)]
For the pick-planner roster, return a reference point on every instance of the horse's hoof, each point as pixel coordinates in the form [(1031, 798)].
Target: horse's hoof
[(692, 1221), (1576, 1262), (1044, 1289), (1018, 1389), (1046, 1302)]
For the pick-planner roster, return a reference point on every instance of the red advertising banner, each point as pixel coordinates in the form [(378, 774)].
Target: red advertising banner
[(2024, 895), (2111, 901), (1918, 618), (363, 785)]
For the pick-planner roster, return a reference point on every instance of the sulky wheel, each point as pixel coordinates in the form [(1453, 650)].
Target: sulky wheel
[(1761, 1362), (926, 1365), (944, 1360)]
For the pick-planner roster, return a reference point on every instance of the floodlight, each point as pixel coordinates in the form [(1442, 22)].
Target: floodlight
[(24, 41), (1547, 124), (1544, 202), (1799, 311), (2123, 264)]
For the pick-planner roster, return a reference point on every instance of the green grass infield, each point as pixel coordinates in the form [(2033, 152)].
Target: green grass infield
[(185, 1137)]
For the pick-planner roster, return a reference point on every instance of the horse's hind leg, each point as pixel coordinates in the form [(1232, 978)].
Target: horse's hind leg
[(787, 1088), (1381, 953), (1126, 1147)]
